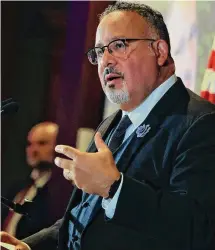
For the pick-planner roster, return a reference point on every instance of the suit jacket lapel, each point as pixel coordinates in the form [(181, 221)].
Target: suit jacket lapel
[(105, 128), (161, 110)]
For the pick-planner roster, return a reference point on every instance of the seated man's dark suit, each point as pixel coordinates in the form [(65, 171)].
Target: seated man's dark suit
[(167, 200), (39, 213)]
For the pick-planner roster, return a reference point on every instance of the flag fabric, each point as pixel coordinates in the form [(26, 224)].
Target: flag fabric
[(208, 84)]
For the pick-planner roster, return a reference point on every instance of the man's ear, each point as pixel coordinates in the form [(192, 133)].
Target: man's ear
[(162, 52)]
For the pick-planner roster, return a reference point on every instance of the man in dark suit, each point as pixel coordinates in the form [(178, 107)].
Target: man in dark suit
[(147, 180), (41, 141)]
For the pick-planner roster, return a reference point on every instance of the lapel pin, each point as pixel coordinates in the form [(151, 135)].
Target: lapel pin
[(143, 130)]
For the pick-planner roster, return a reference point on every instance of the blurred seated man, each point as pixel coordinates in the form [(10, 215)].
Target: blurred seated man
[(39, 154)]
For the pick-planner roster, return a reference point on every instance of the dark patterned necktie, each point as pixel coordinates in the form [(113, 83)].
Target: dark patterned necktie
[(119, 133)]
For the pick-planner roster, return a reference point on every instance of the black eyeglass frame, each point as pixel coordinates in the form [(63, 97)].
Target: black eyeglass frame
[(124, 40)]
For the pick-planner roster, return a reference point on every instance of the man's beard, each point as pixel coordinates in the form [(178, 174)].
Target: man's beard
[(117, 96)]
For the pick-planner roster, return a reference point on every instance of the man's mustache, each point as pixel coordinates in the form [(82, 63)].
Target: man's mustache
[(109, 70)]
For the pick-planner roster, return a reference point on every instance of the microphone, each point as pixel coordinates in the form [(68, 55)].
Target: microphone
[(16, 207), (6, 101), (10, 107)]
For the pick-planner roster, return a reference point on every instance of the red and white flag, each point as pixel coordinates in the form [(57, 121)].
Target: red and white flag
[(208, 84)]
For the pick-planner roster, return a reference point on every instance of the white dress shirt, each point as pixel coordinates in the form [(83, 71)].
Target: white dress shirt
[(137, 117)]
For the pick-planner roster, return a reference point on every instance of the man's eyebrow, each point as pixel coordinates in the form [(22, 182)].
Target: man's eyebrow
[(100, 44)]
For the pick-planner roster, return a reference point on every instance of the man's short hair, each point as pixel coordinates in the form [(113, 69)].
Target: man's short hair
[(152, 17)]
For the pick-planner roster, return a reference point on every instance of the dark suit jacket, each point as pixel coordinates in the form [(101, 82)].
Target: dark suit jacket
[(40, 215), (167, 199)]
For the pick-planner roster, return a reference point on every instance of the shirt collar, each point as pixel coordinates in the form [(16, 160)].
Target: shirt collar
[(43, 179), (138, 115)]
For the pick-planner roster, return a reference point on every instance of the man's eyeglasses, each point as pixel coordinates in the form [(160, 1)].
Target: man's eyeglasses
[(117, 48)]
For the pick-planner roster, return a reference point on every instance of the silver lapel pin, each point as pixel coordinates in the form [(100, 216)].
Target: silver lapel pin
[(143, 130)]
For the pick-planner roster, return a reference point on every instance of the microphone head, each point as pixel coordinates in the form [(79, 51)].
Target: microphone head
[(10, 108), (6, 101)]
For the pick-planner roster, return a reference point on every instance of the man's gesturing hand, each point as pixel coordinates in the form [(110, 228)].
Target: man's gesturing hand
[(94, 173)]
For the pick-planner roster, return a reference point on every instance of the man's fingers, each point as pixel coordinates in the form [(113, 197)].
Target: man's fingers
[(68, 151), (64, 163), (68, 175)]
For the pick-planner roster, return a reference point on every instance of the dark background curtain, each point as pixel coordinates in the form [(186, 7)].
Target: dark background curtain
[(44, 69)]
